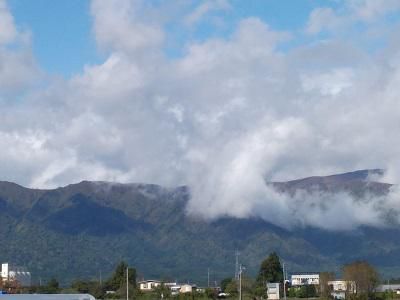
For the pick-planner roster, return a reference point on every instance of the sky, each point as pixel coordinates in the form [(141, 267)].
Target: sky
[(218, 95)]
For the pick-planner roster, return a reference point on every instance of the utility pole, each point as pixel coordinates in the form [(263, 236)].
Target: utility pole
[(208, 277), (237, 265), (240, 281), (127, 283), (284, 282)]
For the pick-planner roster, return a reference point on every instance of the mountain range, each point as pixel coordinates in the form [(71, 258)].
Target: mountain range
[(83, 230)]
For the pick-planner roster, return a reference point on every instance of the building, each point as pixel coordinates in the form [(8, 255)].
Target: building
[(339, 288), (170, 284), (149, 285), (388, 287), (273, 291), (305, 279), (175, 289), (15, 274), (187, 288)]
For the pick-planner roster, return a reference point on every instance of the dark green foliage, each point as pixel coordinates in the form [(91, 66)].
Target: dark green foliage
[(270, 270), (307, 291), (304, 291), (231, 288), (86, 216), (89, 287), (225, 282), (52, 287), (118, 279), (83, 229), (116, 283)]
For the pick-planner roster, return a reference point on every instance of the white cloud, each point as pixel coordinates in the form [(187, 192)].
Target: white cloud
[(121, 25), (369, 10), (8, 32), (18, 68), (205, 8), (341, 19), (228, 114), (331, 83), (323, 18)]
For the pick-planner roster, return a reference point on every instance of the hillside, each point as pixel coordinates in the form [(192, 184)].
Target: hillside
[(83, 229)]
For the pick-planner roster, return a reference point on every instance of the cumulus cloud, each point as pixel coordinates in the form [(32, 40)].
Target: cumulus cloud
[(121, 25), (8, 32), (224, 117), (205, 8), (323, 18), (351, 12), (369, 10), (18, 68)]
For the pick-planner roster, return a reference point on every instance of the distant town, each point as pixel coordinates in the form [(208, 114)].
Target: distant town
[(359, 281)]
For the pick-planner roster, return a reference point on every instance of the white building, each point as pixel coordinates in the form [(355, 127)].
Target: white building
[(170, 284), (305, 279), (388, 287), (186, 288), (175, 289), (273, 291), (149, 285), (341, 287), (16, 274)]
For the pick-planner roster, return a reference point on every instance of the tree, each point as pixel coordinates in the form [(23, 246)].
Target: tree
[(231, 288), (270, 270), (118, 279), (52, 287), (225, 282), (88, 287), (364, 276), (325, 289), (307, 291), (81, 286), (117, 282), (162, 292)]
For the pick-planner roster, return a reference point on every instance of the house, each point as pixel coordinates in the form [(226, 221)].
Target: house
[(15, 274), (273, 291), (170, 284), (175, 289), (187, 288), (339, 288), (305, 279), (149, 285)]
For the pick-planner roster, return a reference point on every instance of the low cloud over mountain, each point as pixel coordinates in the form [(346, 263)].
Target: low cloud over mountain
[(220, 113), (83, 228)]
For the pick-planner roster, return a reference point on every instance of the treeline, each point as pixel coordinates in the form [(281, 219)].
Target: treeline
[(363, 280), (113, 287)]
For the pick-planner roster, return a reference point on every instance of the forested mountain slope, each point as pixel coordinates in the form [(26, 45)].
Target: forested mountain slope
[(83, 229)]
